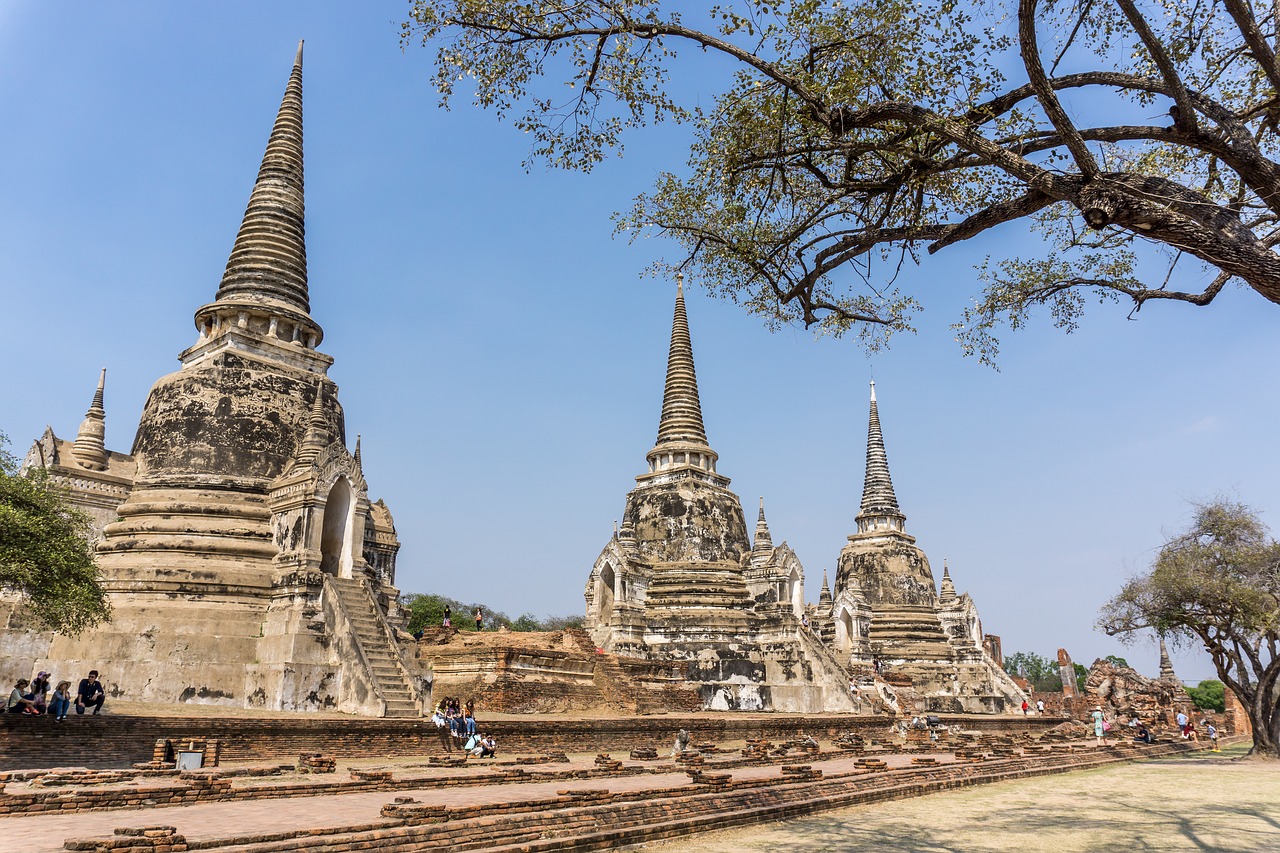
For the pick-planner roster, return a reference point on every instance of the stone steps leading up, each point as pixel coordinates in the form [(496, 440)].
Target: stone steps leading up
[(384, 659)]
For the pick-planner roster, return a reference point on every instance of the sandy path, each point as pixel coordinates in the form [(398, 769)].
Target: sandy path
[(1203, 804)]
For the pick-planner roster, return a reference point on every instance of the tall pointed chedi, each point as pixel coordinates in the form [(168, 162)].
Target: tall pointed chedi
[(886, 606), (90, 449), (247, 548), (682, 582)]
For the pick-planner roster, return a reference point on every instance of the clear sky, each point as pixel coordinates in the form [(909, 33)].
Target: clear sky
[(504, 360)]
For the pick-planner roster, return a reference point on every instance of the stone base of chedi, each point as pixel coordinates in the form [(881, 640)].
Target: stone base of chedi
[(244, 562)]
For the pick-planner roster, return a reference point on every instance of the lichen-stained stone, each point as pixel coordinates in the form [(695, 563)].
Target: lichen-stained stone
[(887, 610), (680, 580), (244, 562)]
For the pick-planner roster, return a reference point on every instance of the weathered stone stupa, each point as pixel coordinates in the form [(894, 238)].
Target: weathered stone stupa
[(681, 581), (886, 606), (244, 562)]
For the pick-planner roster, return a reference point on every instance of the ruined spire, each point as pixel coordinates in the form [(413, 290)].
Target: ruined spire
[(824, 597), (879, 503), (762, 549), (947, 593), (316, 437), (269, 259), (682, 439), (1166, 663), (90, 449), (359, 462), (681, 409)]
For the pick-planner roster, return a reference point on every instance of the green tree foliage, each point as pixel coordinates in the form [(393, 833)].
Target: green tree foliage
[(1209, 695), (1082, 673), (851, 138), (1117, 661), (1217, 584), (427, 611), (45, 555), (1042, 672)]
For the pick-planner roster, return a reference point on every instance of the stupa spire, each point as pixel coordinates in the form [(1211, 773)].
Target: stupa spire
[(681, 407), (879, 503), (947, 592), (824, 596), (269, 259), (90, 449), (682, 438), (359, 462), (316, 437), (762, 548)]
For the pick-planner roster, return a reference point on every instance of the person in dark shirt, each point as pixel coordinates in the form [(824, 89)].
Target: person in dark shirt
[(90, 693)]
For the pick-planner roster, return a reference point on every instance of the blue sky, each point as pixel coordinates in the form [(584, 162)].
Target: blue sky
[(503, 358)]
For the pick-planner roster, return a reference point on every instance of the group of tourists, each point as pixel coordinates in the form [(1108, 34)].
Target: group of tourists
[(33, 697), (1142, 733), (456, 721)]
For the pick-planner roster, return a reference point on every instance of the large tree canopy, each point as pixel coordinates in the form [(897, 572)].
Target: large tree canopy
[(853, 136), (1219, 584), (45, 554)]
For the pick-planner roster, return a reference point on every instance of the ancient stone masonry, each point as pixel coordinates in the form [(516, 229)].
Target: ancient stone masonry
[(682, 581), (244, 561), (885, 606)]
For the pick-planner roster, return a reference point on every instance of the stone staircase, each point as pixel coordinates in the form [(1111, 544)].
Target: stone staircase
[(612, 682), (386, 669)]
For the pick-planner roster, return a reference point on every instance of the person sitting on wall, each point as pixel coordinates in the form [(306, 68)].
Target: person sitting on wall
[(90, 694), (61, 701), (40, 691), (20, 699), (1144, 735)]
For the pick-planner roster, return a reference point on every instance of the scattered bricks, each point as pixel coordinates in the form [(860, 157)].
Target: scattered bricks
[(556, 757), (413, 812), (922, 761), (371, 775), (693, 759), (797, 772), (446, 761), (315, 762), (707, 748), (604, 762), (644, 753), (871, 764)]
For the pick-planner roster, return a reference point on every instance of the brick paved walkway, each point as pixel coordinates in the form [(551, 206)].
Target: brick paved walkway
[(43, 833)]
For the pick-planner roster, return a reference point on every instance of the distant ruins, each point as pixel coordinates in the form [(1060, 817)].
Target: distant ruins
[(244, 562), (680, 580)]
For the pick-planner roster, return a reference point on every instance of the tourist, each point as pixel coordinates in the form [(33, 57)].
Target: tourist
[(479, 617), (682, 743), (20, 699), (61, 702), (468, 722), (472, 747), (1040, 707), (875, 664), (1182, 723), (1099, 724), (448, 617), (1144, 735), (488, 747), (40, 691), (90, 694), (1212, 732), (804, 621), (1025, 707), (1189, 732)]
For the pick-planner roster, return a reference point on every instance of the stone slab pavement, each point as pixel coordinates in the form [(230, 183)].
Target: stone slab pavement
[(45, 833)]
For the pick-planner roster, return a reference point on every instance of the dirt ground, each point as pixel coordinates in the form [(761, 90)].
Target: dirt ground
[(1209, 804)]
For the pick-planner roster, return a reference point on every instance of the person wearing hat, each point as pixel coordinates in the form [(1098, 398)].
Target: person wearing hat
[(1098, 722), (90, 693), (40, 691)]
